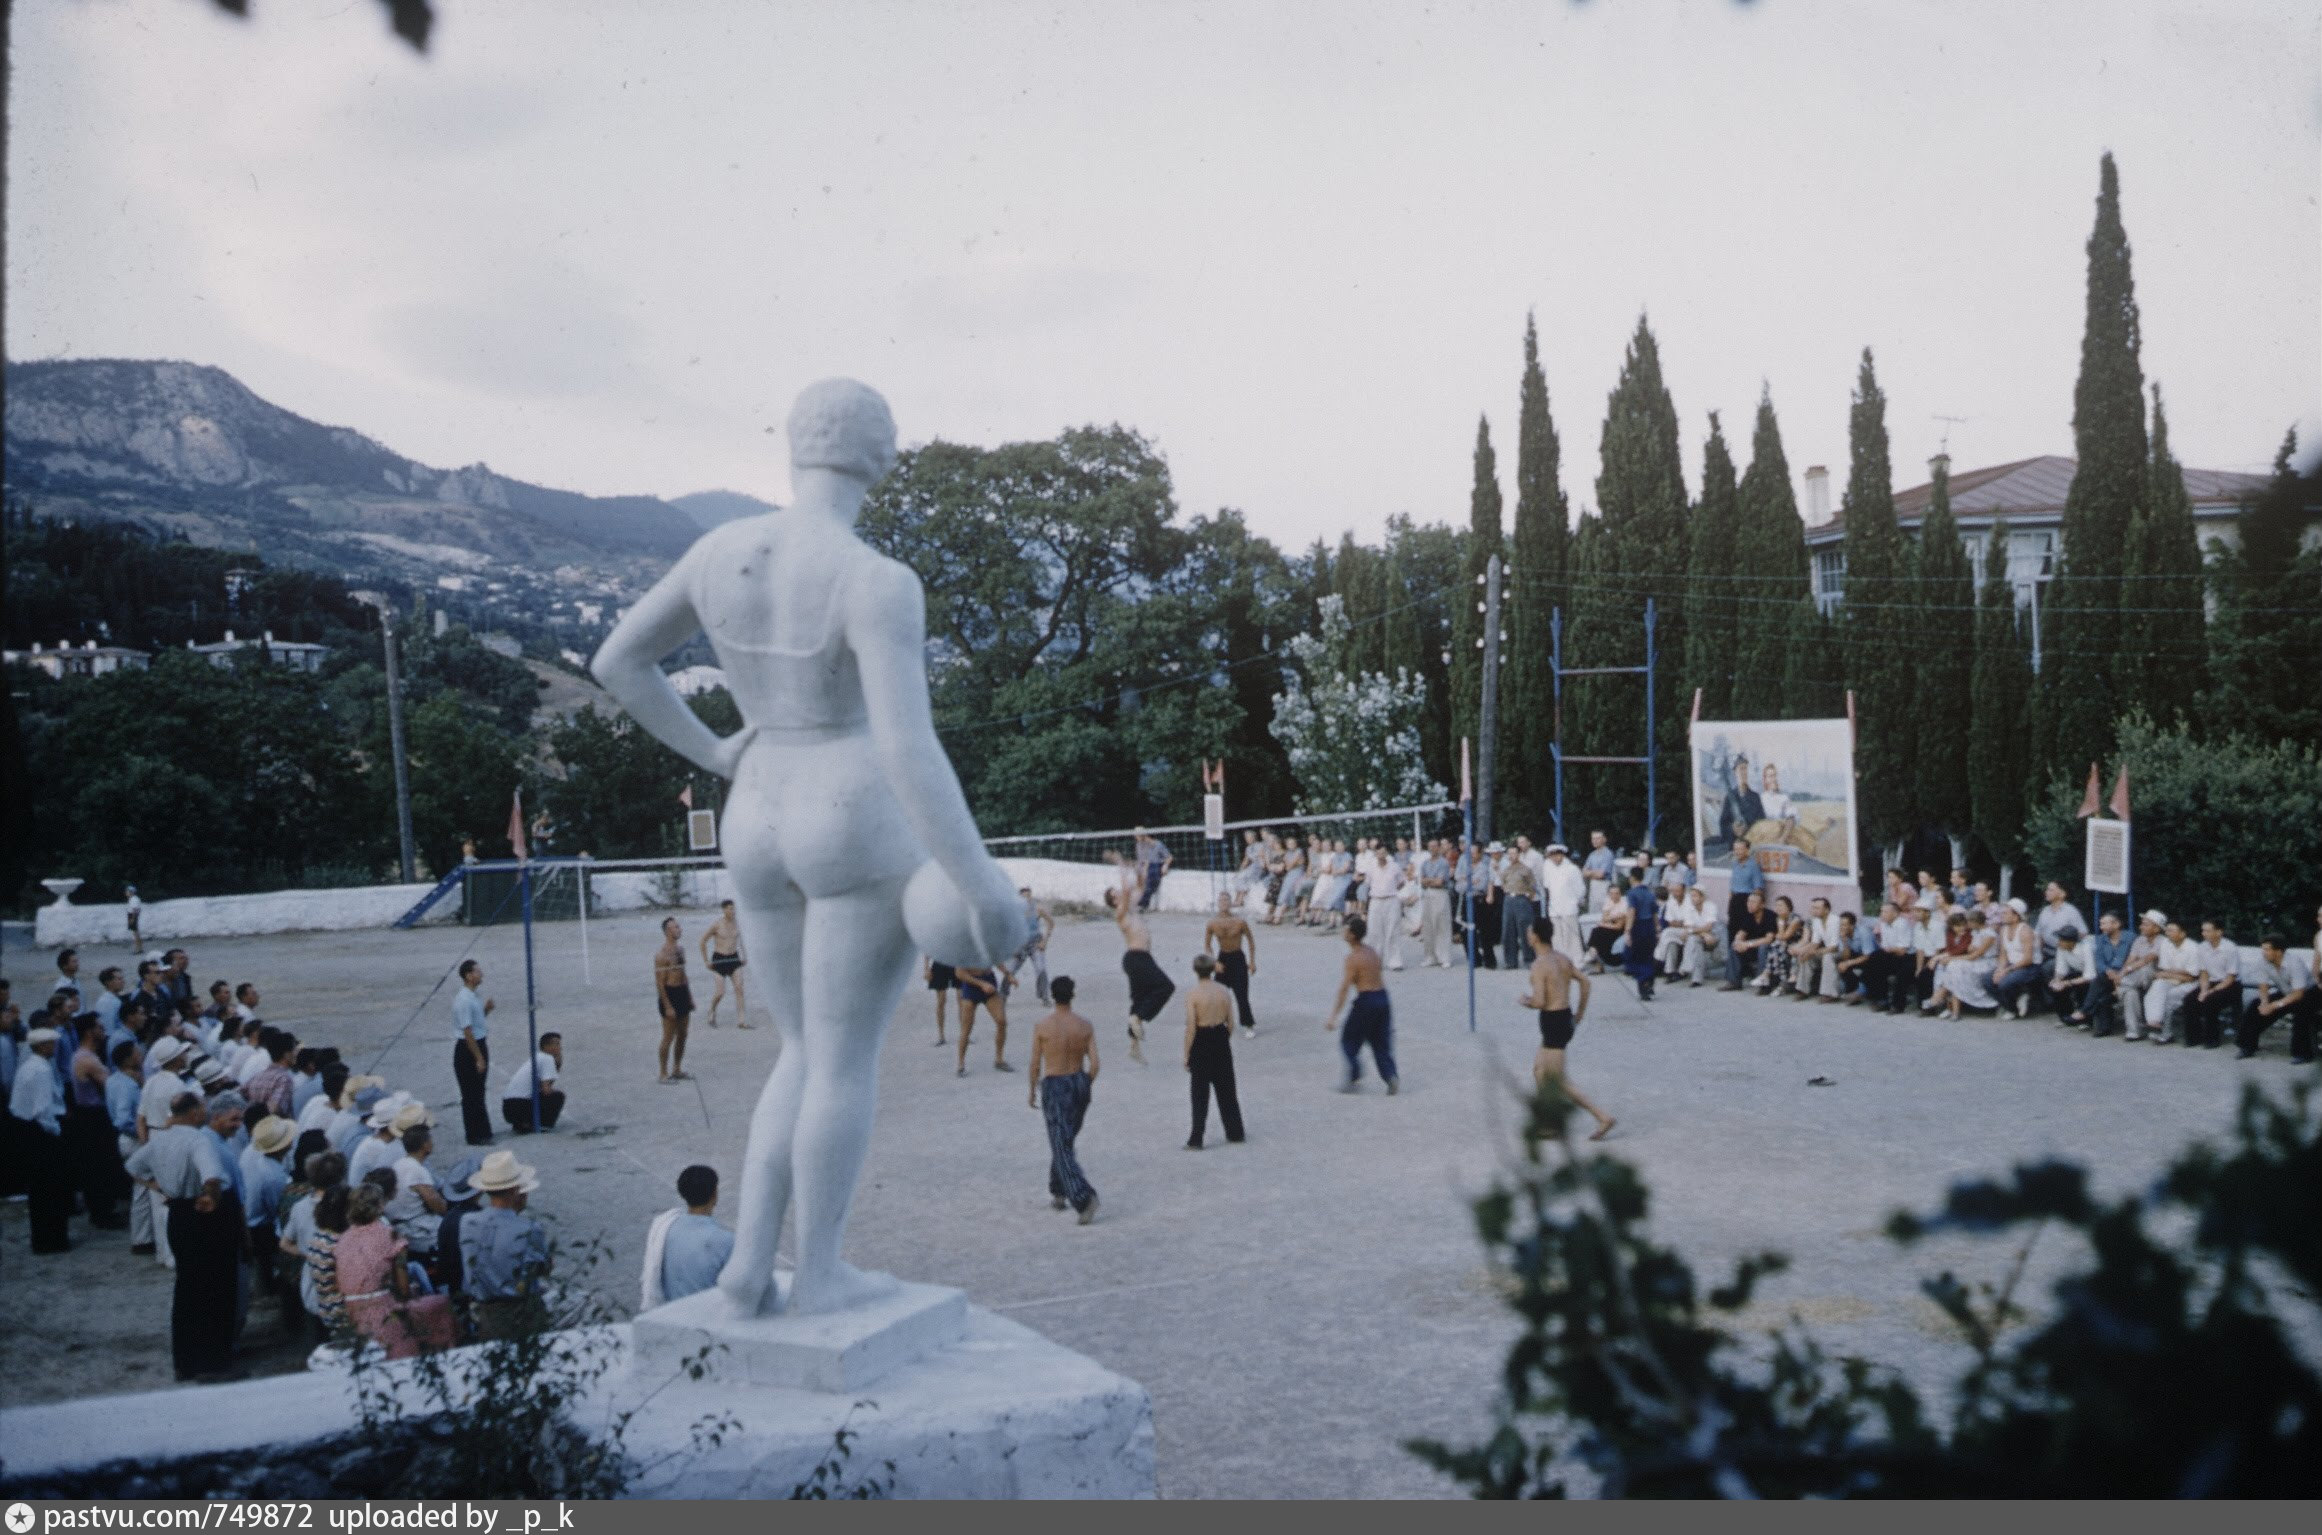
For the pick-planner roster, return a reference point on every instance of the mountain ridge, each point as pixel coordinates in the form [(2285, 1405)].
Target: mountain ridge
[(188, 449)]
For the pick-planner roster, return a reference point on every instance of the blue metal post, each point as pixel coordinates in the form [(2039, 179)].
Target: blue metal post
[(1556, 674), (1467, 898), (1652, 798), (531, 999)]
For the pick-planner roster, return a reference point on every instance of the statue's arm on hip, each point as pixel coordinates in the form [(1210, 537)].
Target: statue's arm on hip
[(628, 665)]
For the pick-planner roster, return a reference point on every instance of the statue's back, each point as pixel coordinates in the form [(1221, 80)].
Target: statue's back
[(772, 593)]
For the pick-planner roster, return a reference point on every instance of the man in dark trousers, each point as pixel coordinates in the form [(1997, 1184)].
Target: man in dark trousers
[(1227, 938), (186, 1166), (471, 1054), (1063, 1070), (1209, 1053), (1371, 1021)]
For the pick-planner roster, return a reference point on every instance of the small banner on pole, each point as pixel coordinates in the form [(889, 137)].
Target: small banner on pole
[(2108, 856), (516, 828), (701, 830)]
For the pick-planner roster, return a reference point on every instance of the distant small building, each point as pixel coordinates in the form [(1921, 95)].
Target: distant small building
[(2029, 494), (297, 655), (88, 659), (693, 681)]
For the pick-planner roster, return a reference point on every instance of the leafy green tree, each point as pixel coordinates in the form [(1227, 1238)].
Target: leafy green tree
[(2266, 645), (1813, 670), (2114, 471), (1428, 559), (1484, 540), (1943, 666), (1770, 578), (2226, 826), (1713, 562), (1641, 502), (1540, 552), (1877, 634), (465, 772), (1997, 752), (2163, 661)]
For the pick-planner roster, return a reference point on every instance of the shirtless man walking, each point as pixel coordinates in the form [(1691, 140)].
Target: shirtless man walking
[(1370, 1021), (1209, 1053), (1226, 937), (1553, 977), (1063, 1070), (1149, 985), (721, 951)]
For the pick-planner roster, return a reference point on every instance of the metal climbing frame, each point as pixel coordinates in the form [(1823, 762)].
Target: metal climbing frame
[(1560, 671)]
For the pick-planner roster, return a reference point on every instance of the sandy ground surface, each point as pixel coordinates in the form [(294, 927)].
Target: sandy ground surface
[(1299, 1305)]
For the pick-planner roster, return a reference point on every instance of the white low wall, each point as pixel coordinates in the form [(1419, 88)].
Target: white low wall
[(612, 892), (233, 916)]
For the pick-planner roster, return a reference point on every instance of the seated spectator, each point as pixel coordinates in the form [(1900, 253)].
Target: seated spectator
[(350, 1122), (503, 1252), (264, 1174), (1695, 936), (2281, 982), (2176, 970), (2137, 974), (306, 1076), (461, 1198), (312, 1239), (272, 1084), (392, 1116), (2107, 963), (1604, 939), (1930, 936), (1745, 945), (1855, 948), (2016, 966), (374, 1280), (686, 1249), (323, 1105), (1775, 974), (2070, 975), (2216, 998), (546, 1066), (416, 1210), (1964, 980)]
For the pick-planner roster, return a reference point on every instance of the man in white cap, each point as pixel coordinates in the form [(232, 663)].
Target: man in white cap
[(1564, 888), (36, 1143), (383, 1147), (503, 1251), (2136, 974), (163, 1085)]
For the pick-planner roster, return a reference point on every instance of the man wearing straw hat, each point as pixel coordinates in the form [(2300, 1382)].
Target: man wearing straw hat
[(384, 1146), (503, 1251), (264, 1177)]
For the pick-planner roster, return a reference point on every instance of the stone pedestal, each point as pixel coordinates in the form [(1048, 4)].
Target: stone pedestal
[(839, 1353)]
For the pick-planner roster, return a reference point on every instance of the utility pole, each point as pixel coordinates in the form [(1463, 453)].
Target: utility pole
[(1489, 729), (395, 743)]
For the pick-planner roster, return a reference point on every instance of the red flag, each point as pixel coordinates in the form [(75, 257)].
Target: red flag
[(1466, 787), (516, 827), (685, 796), (2120, 799), (2089, 805)]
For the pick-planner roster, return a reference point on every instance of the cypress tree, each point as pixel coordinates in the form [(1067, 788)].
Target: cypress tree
[(1710, 567), (1483, 541), (1945, 664), (2268, 635), (1770, 573), (1355, 578), (1997, 769), (1640, 492), (1403, 644), (1875, 630), (1811, 684), (2162, 660), (1541, 548), (2108, 437)]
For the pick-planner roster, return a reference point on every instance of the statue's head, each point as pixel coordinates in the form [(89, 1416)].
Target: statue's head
[(840, 424)]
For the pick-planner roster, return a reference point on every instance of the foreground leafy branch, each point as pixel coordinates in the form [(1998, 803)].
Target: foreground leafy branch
[(2167, 1365)]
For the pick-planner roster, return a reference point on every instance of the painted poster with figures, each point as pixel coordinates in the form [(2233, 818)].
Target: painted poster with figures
[(1786, 785)]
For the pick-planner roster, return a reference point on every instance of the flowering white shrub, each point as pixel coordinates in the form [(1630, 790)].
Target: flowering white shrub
[(1352, 737)]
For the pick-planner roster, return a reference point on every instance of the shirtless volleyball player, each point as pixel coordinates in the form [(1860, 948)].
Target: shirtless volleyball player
[(1209, 1053), (721, 951), (985, 988), (675, 997), (1371, 1021), (1149, 986), (1063, 1069), (1553, 978), (1227, 937)]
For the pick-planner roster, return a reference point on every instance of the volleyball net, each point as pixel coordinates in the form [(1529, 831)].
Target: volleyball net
[(1192, 848)]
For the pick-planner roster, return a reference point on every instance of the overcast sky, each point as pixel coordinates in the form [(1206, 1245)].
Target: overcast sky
[(602, 245)]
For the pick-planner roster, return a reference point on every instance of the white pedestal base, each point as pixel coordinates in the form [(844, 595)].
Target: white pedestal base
[(842, 1352), (999, 1412)]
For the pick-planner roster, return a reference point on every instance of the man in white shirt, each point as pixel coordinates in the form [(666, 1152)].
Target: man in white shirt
[(1597, 871), (1817, 954), (2216, 996), (2282, 979), (2138, 972), (162, 1087), (1383, 887), (416, 1211), (2176, 969), (2058, 914), (1565, 890), (545, 1067), (2069, 975)]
